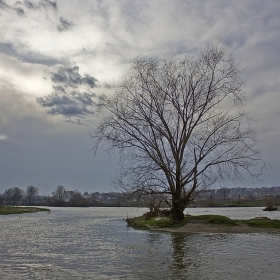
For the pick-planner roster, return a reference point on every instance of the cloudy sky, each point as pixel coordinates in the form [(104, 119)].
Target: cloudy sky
[(57, 57)]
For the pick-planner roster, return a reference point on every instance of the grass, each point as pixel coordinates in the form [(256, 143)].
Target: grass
[(262, 223), (158, 223), (141, 223), (212, 219), (8, 210)]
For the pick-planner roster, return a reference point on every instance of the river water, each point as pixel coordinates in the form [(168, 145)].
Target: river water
[(95, 243)]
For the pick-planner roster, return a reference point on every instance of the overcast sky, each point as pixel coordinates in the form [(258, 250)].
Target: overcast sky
[(57, 57)]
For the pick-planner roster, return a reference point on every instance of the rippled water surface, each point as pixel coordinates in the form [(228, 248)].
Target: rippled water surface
[(95, 243)]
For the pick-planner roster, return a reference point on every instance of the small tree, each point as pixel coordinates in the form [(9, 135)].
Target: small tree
[(13, 196), (8, 194), (18, 196), (154, 201), (179, 126), (31, 194), (59, 196)]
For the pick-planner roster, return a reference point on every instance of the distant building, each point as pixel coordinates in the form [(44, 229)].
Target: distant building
[(69, 195)]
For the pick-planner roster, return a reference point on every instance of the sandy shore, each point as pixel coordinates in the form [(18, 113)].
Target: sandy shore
[(205, 228)]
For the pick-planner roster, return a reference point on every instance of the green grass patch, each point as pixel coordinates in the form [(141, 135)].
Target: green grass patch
[(8, 210), (262, 223), (212, 219), (162, 222), (141, 223)]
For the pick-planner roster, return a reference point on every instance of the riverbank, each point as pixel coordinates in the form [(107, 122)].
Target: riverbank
[(206, 224), (9, 210)]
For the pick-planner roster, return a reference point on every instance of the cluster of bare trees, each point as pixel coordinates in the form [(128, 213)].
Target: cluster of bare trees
[(17, 196), (62, 197), (180, 126)]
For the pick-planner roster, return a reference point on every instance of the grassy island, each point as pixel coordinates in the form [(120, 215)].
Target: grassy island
[(7, 210), (206, 224)]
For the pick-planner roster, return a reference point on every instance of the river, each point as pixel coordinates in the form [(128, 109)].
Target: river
[(95, 243)]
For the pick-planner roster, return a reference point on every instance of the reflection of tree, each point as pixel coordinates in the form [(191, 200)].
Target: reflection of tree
[(180, 252), (185, 262), (172, 256)]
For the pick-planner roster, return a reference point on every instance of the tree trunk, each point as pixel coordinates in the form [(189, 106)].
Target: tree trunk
[(177, 210)]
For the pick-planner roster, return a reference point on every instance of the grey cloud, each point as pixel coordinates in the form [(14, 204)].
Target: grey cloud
[(46, 4), (70, 77), (234, 39), (69, 105), (263, 89), (19, 11), (9, 49), (3, 5), (68, 98), (64, 25), (49, 4), (16, 7), (74, 121), (59, 88), (29, 5), (40, 60), (106, 85)]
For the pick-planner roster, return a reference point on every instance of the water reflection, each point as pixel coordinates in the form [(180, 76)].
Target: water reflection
[(186, 260), (180, 252), (173, 255)]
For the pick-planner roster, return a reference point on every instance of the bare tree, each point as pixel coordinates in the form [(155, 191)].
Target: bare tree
[(59, 196), (31, 194), (179, 125), (8, 194), (154, 201), (13, 196)]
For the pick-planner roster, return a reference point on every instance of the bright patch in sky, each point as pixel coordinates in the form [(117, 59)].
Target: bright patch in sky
[(3, 137)]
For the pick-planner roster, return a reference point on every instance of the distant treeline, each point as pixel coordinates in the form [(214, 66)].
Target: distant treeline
[(62, 197)]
